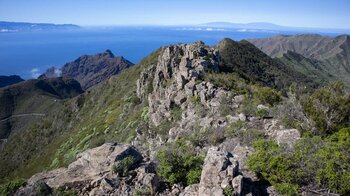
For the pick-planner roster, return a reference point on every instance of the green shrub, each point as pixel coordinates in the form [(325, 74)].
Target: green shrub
[(11, 187), (329, 108), (176, 113), (228, 191), (315, 162), (179, 164), (261, 113), (267, 95), (122, 167), (143, 192)]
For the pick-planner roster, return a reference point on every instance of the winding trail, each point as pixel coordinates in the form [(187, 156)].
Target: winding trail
[(22, 115)]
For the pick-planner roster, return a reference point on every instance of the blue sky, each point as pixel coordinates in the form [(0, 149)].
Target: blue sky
[(299, 13)]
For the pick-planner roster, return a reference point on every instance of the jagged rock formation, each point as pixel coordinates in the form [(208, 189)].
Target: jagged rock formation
[(92, 173), (331, 54), (174, 78), (9, 80), (220, 170), (169, 96), (90, 70)]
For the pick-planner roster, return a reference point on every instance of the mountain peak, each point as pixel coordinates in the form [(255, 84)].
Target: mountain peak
[(108, 53), (90, 70)]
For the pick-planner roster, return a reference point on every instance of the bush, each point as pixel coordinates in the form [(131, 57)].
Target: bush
[(261, 113), (122, 167), (314, 162), (228, 191), (267, 95), (329, 108), (11, 187), (179, 164), (143, 192)]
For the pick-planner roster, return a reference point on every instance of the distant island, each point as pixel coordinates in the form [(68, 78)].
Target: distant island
[(6, 27), (270, 27)]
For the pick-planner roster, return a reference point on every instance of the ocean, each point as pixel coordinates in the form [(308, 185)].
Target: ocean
[(31, 53)]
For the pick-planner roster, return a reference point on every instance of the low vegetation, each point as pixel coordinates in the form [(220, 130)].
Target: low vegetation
[(180, 163), (11, 187), (329, 108), (123, 166), (316, 162)]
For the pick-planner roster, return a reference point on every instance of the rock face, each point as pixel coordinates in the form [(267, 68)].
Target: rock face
[(9, 80), (90, 70), (174, 82), (219, 170), (89, 165), (92, 173)]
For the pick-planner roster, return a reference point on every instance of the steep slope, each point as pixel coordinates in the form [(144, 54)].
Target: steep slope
[(108, 112), (314, 69), (253, 65), (90, 70), (24, 102), (333, 52), (9, 80)]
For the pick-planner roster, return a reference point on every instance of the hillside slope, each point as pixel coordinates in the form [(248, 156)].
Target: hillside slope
[(333, 52), (253, 65), (22, 103)]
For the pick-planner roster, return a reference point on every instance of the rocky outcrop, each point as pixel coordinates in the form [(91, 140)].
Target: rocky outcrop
[(89, 165), (176, 83), (219, 170), (90, 70), (93, 174)]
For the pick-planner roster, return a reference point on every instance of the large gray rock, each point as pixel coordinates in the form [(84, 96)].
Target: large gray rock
[(90, 165), (219, 167), (191, 190), (288, 137), (237, 185)]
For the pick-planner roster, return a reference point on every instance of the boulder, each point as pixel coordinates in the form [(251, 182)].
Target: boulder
[(237, 185), (90, 165), (37, 188), (218, 169), (191, 190), (288, 137)]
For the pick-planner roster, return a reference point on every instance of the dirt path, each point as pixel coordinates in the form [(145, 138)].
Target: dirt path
[(21, 115)]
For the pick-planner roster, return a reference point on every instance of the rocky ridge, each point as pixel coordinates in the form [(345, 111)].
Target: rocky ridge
[(177, 94), (329, 54)]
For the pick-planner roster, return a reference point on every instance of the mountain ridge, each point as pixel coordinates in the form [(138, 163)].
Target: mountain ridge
[(90, 70), (333, 52), (9, 80), (189, 119)]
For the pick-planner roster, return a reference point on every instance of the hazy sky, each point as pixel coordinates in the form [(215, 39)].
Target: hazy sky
[(300, 13)]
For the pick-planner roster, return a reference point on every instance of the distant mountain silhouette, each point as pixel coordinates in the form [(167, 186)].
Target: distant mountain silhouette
[(90, 70), (9, 80)]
